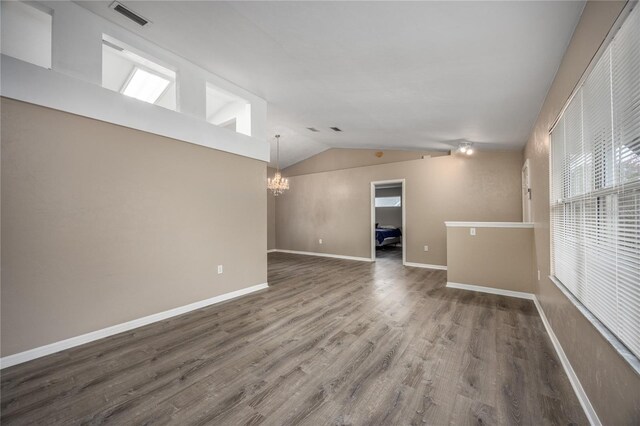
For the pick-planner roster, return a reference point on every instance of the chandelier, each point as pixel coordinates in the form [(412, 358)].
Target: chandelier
[(277, 184), (466, 148)]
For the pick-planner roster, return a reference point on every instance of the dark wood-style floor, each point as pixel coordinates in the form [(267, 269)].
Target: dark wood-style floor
[(330, 342)]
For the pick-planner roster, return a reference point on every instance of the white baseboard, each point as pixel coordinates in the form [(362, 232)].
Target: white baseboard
[(589, 411), (49, 349), (271, 250), (491, 290), (336, 256), (426, 265)]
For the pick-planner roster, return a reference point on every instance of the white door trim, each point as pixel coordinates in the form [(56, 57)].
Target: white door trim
[(403, 182), (526, 192)]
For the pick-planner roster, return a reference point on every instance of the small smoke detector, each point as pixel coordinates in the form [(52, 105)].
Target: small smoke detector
[(129, 14), (313, 129), (335, 129)]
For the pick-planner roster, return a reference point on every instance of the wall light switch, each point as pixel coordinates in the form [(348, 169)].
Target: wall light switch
[(426, 248), (472, 231), (219, 269), (538, 275), (320, 241)]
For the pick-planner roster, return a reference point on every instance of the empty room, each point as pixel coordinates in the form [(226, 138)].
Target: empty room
[(320, 212)]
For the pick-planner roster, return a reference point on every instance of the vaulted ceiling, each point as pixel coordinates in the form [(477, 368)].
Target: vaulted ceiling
[(391, 75)]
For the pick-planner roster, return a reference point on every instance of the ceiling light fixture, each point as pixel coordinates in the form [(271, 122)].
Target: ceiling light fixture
[(145, 86), (465, 148), (277, 185)]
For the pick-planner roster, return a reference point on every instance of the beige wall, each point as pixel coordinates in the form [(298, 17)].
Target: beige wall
[(494, 257), (336, 205), (343, 158), (271, 214), (612, 386), (102, 224)]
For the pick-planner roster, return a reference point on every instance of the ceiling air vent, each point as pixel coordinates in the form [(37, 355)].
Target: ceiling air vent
[(128, 13), (313, 129), (335, 129)]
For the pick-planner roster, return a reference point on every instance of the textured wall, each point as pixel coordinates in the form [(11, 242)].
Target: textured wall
[(336, 205), (612, 386), (344, 158), (482, 259), (103, 224)]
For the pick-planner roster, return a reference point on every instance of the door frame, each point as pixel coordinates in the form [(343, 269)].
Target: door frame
[(372, 226), (525, 189)]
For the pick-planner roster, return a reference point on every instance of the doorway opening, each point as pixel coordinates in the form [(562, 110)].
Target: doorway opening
[(388, 220)]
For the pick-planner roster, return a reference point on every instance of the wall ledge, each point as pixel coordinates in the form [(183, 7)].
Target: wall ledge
[(31, 354), (30, 83), (489, 224), (611, 338)]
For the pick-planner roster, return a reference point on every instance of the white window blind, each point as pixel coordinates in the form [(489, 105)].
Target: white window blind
[(595, 188)]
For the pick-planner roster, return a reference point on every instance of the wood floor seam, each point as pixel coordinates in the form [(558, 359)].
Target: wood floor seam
[(331, 341)]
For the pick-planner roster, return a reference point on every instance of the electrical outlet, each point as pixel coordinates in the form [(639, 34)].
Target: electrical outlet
[(426, 248), (220, 269), (320, 241), (538, 275), (472, 231)]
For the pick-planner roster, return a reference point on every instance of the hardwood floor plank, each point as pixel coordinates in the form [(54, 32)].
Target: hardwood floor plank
[(329, 342)]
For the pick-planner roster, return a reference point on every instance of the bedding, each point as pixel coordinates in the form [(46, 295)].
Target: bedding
[(383, 233)]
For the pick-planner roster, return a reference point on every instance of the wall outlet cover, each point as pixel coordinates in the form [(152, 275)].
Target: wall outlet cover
[(220, 269), (472, 231)]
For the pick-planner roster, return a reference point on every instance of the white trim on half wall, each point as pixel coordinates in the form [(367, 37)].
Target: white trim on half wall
[(52, 348)]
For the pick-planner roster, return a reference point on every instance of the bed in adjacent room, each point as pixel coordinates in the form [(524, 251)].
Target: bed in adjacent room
[(386, 235)]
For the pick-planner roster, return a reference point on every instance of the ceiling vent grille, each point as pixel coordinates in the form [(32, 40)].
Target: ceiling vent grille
[(313, 129), (128, 13), (336, 129)]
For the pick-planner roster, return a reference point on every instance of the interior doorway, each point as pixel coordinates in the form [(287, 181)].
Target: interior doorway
[(388, 220), (526, 192)]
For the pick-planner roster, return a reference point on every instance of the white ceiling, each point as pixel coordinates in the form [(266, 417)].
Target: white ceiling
[(392, 75)]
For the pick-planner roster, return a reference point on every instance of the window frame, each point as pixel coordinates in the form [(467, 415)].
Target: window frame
[(601, 193)]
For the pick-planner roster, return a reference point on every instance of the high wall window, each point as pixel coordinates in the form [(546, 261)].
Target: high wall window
[(128, 72), (227, 110), (595, 188), (388, 201), (26, 33)]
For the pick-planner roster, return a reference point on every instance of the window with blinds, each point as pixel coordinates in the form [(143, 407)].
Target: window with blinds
[(595, 188)]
